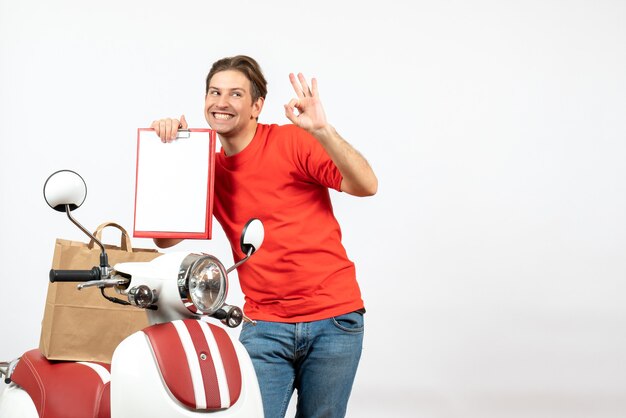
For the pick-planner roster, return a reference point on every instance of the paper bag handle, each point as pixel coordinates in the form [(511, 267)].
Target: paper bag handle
[(125, 243)]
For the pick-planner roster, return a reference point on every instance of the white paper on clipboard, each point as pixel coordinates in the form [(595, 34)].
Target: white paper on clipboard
[(174, 185)]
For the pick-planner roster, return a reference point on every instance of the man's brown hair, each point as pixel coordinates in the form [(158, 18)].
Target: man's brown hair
[(245, 65)]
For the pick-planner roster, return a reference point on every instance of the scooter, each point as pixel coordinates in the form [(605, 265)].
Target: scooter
[(182, 365)]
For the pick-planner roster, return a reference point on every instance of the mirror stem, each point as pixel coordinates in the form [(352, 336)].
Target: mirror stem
[(104, 262), (243, 260)]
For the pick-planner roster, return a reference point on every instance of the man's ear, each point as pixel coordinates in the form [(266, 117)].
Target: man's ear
[(257, 106)]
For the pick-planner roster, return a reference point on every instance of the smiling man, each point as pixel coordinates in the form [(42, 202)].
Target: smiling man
[(301, 288)]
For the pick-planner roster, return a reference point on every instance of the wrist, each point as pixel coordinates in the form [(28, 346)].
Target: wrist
[(323, 132)]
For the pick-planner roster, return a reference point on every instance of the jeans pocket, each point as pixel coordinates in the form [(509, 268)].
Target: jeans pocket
[(352, 322), (247, 330)]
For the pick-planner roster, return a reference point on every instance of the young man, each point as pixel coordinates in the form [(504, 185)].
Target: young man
[(301, 288)]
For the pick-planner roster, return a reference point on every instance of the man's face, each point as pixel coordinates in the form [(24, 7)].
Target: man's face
[(228, 106)]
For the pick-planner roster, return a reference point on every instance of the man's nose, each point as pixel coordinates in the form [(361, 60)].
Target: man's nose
[(222, 100)]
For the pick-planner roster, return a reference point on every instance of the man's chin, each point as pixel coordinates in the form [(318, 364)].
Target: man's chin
[(222, 131), (220, 128)]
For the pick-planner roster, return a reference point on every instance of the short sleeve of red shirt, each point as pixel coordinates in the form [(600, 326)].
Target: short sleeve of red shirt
[(314, 160)]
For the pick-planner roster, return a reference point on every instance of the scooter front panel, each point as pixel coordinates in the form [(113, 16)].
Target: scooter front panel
[(138, 387), (210, 378)]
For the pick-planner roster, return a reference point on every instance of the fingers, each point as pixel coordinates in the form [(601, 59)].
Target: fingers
[(167, 129), (183, 122), (289, 107), (300, 86), (296, 87), (305, 86), (314, 91)]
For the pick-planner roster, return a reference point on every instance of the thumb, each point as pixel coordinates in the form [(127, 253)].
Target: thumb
[(183, 122), (290, 114)]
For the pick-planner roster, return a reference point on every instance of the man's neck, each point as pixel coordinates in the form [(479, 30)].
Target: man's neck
[(236, 143)]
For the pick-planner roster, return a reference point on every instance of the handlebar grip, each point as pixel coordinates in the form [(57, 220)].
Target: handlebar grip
[(74, 275)]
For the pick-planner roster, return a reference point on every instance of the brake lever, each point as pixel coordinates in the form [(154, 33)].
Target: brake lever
[(112, 282)]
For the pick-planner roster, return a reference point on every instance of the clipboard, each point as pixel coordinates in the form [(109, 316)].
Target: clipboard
[(174, 185)]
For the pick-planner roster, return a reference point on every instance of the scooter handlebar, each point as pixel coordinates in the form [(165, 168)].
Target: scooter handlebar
[(74, 275)]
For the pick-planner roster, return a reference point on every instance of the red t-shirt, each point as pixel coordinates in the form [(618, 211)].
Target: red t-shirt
[(302, 272)]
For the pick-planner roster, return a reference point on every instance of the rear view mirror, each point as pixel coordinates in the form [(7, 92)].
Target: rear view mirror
[(252, 236), (64, 190)]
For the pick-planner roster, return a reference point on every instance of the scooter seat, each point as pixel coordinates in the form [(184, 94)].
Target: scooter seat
[(65, 389)]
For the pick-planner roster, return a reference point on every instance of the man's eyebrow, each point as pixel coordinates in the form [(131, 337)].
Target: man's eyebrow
[(226, 88)]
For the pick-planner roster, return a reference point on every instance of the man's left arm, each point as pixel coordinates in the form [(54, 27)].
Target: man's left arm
[(358, 177)]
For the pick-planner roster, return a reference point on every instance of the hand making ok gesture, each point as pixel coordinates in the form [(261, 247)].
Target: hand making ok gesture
[(310, 116)]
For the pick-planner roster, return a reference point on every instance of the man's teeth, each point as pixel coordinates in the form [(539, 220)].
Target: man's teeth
[(222, 116)]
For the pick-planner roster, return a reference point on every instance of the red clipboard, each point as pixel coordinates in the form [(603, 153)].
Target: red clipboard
[(174, 185)]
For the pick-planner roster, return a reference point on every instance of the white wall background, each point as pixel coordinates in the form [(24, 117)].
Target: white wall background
[(492, 259)]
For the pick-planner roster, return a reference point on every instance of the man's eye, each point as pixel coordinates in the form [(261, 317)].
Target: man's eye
[(237, 94), (214, 93)]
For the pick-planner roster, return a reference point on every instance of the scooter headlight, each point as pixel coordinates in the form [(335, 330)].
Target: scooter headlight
[(202, 284)]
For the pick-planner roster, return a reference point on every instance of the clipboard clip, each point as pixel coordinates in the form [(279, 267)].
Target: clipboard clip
[(183, 133)]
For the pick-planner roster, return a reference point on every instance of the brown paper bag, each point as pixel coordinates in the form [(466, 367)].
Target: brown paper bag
[(81, 325)]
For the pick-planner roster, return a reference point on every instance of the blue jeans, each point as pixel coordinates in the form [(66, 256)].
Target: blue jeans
[(318, 358)]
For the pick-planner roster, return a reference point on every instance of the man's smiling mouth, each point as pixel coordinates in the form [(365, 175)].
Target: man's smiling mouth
[(222, 116)]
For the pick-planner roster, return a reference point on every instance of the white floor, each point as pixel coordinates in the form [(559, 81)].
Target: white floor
[(414, 405)]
